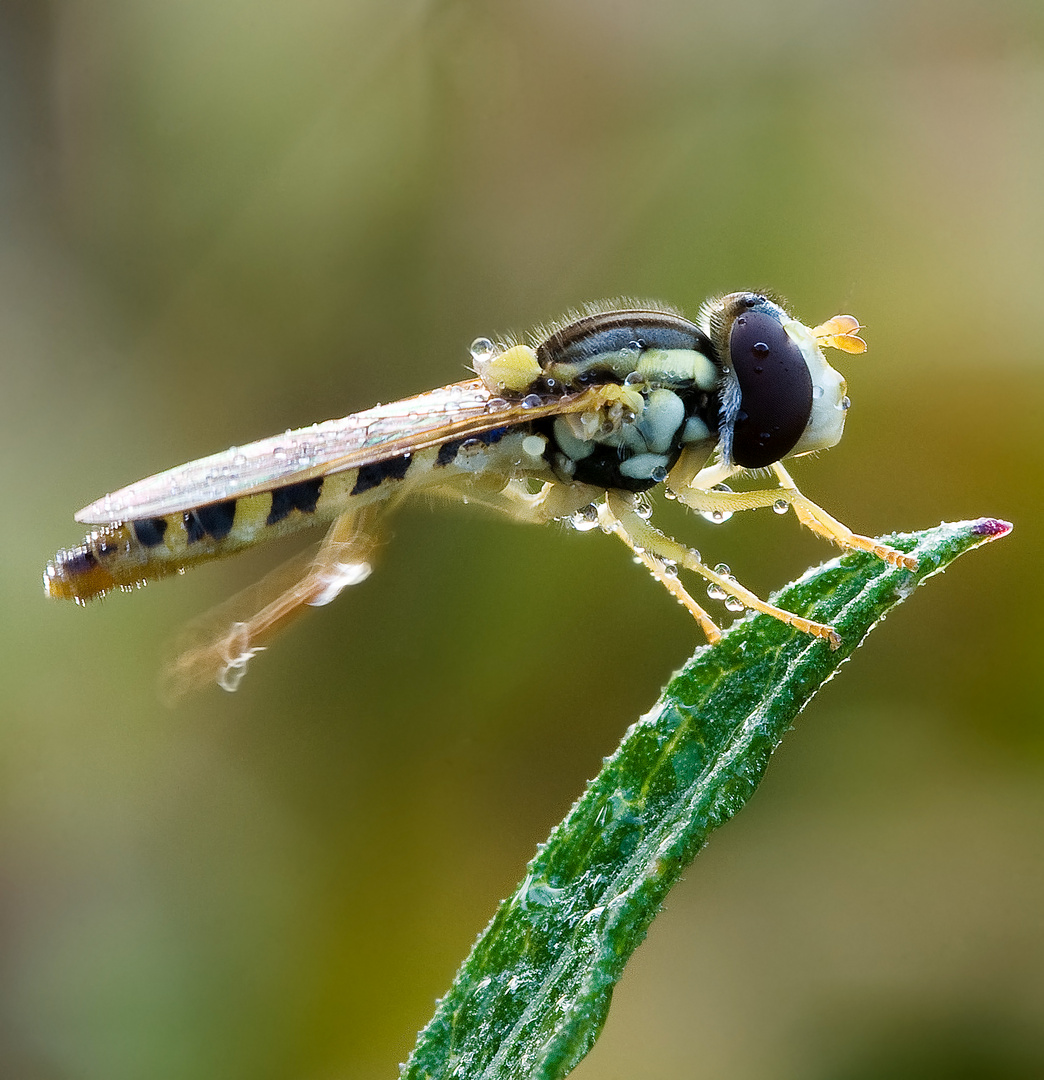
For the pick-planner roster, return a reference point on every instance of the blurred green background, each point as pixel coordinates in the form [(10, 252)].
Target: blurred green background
[(221, 219)]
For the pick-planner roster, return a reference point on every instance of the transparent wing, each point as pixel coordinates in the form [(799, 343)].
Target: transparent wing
[(385, 431)]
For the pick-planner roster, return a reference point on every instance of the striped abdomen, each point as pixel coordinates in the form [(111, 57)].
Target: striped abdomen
[(128, 554)]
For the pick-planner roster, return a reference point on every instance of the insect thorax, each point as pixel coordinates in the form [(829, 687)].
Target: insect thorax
[(668, 378)]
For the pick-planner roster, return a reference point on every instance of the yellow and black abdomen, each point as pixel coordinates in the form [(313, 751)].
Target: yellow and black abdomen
[(125, 555), (129, 554)]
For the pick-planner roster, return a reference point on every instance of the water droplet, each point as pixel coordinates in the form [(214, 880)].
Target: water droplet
[(716, 517), (846, 403), (723, 569), (760, 349), (497, 405), (585, 519), (781, 506), (668, 494), (670, 569), (482, 349), (733, 603), (644, 510), (636, 378), (716, 592), (818, 392), (279, 453), (658, 475), (532, 401)]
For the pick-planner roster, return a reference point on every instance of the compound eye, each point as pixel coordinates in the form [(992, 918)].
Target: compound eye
[(775, 390)]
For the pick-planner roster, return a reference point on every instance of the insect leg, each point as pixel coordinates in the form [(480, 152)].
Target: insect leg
[(642, 537), (555, 501), (822, 524), (222, 646), (659, 568), (808, 513)]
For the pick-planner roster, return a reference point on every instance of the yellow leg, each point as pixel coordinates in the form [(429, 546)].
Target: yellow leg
[(808, 513), (664, 571), (219, 646), (555, 501), (822, 524), (660, 554), (645, 540)]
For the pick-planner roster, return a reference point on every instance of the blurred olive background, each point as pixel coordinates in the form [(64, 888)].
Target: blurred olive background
[(222, 219)]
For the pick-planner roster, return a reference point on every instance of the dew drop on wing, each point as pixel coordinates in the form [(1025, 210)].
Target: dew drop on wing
[(780, 506), (733, 603), (716, 592), (716, 517)]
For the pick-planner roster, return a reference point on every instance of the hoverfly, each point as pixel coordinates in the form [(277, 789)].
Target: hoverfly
[(576, 424)]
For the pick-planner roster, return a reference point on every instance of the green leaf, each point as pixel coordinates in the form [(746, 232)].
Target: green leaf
[(531, 998)]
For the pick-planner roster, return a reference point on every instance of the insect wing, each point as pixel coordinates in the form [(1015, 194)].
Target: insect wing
[(385, 431)]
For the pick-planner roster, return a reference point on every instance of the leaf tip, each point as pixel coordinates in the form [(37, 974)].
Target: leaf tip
[(991, 528)]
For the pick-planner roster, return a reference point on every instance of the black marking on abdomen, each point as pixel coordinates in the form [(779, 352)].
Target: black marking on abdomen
[(73, 563), (149, 531), (214, 520), (448, 450), (302, 496), (371, 476), (106, 547)]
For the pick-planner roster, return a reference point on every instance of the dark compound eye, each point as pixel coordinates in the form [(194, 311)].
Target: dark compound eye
[(776, 390)]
